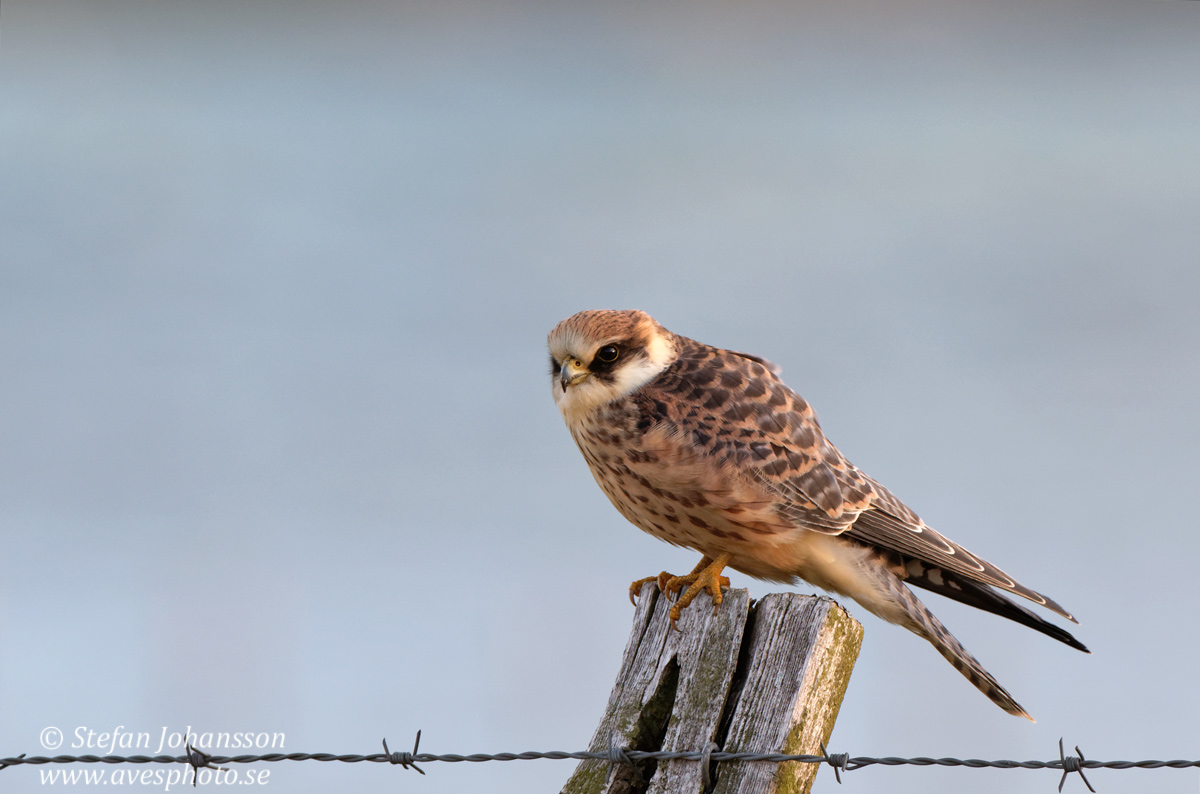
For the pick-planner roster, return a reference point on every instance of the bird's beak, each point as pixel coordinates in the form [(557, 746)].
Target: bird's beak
[(573, 372)]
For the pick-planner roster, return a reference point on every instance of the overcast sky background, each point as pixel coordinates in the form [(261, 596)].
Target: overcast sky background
[(277, 446)]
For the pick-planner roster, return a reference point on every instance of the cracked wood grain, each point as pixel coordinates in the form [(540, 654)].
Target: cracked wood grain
[(762, 677)]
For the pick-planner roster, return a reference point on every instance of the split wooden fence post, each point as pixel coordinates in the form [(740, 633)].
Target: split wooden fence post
[(766, 676)]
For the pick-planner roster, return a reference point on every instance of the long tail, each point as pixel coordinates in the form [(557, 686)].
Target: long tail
[(916, 617), (981, 596)]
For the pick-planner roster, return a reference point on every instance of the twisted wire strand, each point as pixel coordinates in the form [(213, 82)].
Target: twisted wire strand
[(841, 762), (852, 762)]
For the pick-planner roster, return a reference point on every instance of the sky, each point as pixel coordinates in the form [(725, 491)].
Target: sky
[(277, 446)]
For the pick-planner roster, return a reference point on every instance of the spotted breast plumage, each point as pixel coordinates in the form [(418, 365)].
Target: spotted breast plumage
[(708, 449)]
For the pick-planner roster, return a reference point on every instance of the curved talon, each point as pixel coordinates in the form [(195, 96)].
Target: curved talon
[(635, 588), (706, 576)]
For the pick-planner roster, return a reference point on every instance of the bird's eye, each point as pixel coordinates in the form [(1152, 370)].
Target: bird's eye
[(608, 354)]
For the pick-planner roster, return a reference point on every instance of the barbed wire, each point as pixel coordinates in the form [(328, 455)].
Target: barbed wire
[(841, 762)]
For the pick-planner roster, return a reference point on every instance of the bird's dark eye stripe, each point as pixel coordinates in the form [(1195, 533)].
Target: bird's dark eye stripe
[(606, 358), (555, 367)]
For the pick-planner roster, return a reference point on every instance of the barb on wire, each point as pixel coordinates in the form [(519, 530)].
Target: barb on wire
[(1072, 763), (404, 759), (619, 756), (839, 762), (198, 759)]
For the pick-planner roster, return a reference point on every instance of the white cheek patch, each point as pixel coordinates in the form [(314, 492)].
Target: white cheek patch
[(628, 377), (636, 374)]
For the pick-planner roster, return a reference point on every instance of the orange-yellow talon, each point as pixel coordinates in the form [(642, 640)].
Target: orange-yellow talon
[(706, 576), (635, 588)]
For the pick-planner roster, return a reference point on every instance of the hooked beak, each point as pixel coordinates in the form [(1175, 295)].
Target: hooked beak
[(573, 372)]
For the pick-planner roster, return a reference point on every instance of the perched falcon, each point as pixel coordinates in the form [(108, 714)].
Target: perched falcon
[(707, 448)]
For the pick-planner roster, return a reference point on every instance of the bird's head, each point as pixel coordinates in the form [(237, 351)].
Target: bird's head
[(600, 356)]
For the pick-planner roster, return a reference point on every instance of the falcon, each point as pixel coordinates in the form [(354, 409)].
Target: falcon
[(708, 449)]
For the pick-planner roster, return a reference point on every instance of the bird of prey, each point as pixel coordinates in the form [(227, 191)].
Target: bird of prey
[(708, 449)]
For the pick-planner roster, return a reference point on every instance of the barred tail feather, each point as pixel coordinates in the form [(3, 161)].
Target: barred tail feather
[(917, 618)]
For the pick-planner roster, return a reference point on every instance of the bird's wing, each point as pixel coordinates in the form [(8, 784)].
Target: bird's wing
[(735, 407), (983, 597), (890, 524)]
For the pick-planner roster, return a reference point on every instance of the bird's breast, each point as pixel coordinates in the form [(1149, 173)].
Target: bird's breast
[(676, 492)]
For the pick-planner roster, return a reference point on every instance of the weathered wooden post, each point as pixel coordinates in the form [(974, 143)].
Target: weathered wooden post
[(766, 676)]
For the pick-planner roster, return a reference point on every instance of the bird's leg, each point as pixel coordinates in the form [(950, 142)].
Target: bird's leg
[(635, 588), (705, 576)]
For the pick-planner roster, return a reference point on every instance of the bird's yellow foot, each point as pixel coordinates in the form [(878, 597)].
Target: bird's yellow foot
[(705, 576), (635, 588)]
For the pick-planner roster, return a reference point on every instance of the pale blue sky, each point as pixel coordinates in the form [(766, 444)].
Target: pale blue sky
[(277, 447)]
